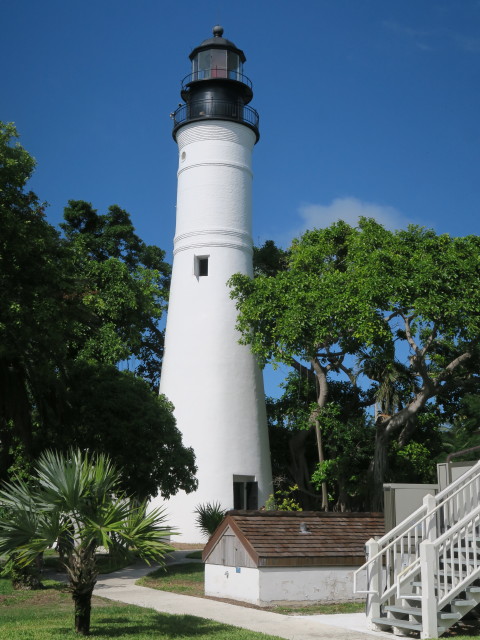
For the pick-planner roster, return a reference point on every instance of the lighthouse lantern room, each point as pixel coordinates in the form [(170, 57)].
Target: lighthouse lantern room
[(213, 382)]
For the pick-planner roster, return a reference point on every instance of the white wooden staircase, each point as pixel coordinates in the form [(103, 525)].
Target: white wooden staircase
[(424, 575)]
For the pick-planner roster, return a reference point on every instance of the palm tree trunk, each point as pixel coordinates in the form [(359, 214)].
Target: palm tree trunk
[(83, 607)]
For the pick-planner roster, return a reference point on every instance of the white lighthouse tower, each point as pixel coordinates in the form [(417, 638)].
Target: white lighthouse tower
[(213, 382)]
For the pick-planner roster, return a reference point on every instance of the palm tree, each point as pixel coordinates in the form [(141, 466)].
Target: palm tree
[(74, 501), (209, 516)]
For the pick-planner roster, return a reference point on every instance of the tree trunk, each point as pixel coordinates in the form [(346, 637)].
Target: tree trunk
[(343, 499), (321, 459), (378, 467), (83, 607), (322, 396), (386, 427), (299, 467)]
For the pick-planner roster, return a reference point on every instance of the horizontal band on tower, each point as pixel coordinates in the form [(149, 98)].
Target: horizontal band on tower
[(233, 165), (237, 233), (214, 243)]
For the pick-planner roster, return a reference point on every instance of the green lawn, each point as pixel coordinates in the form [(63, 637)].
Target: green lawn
[(186, 579), (312, 609), (48, 615)]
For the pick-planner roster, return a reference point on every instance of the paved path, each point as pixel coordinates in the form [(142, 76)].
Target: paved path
[(120, 586)]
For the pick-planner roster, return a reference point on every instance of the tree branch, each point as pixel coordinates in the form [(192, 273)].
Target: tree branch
[(453, 365), (301, 368), (429, 341), (408, 331)]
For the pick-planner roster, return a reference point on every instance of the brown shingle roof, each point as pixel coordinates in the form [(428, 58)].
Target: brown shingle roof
[(275, 538)]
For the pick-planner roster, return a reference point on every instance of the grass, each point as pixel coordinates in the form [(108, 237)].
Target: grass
[(314, 609), (48, 615), (5, 587), (186, 579), (195, 555)]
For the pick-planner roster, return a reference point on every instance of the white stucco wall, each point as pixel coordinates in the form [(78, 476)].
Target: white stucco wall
[(277, 585), (306, 584), (213, 382), (235, 583)]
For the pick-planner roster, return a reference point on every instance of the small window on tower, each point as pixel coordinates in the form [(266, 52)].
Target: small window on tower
[(201, 266)]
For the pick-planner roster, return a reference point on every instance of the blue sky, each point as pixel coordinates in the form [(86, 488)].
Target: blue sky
[(367, 107)]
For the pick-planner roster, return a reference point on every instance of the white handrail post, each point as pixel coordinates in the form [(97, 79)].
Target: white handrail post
[(431, 520), (374, 580), (428, 562)]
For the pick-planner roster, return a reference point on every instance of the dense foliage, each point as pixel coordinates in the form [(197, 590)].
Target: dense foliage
[(76, 307), (394, 315)]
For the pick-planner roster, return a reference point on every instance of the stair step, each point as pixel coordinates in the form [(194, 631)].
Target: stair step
[(473, 589), (446, 615), (464, 603), (410, 611), (395, 622), (417, 612)]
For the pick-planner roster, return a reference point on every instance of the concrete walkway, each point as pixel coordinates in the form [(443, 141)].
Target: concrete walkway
[(120, 586)]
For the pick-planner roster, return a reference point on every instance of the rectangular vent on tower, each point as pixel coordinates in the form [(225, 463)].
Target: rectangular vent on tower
[(201, 266)]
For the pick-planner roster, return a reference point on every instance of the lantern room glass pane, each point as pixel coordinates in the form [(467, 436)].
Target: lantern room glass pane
[(234, 65), (218, 63), (201, 65), (211, 64)]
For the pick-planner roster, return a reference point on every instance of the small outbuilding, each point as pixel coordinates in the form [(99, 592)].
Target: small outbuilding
[(275, 557)]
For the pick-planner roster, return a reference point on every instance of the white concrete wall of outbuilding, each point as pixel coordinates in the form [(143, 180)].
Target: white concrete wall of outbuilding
[(280, 585)]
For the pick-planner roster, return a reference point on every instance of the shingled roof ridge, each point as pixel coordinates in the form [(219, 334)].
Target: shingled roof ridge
[(305, 514)]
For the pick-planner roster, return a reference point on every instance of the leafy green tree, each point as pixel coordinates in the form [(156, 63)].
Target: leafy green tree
[(269, 259), (115, 413), (462, 431), (74, 308), (348, 443), (76, 499), (36, 309), (122, 290), (412, 295), (296, 317)]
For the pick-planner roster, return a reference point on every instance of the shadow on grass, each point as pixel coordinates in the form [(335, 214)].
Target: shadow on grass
[(157, 625), (469, 626)]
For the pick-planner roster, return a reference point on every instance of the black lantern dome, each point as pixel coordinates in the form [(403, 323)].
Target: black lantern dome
[(216, 88)]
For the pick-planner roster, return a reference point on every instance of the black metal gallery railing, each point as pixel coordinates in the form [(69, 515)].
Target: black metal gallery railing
[(216, 72), (221, 109)]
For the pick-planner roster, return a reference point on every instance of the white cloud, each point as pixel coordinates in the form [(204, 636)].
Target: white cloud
[(424, 39), (349, 210)]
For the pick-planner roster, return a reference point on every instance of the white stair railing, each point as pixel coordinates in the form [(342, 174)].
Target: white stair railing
[(397, 553), (448, 566), (457, 557)]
